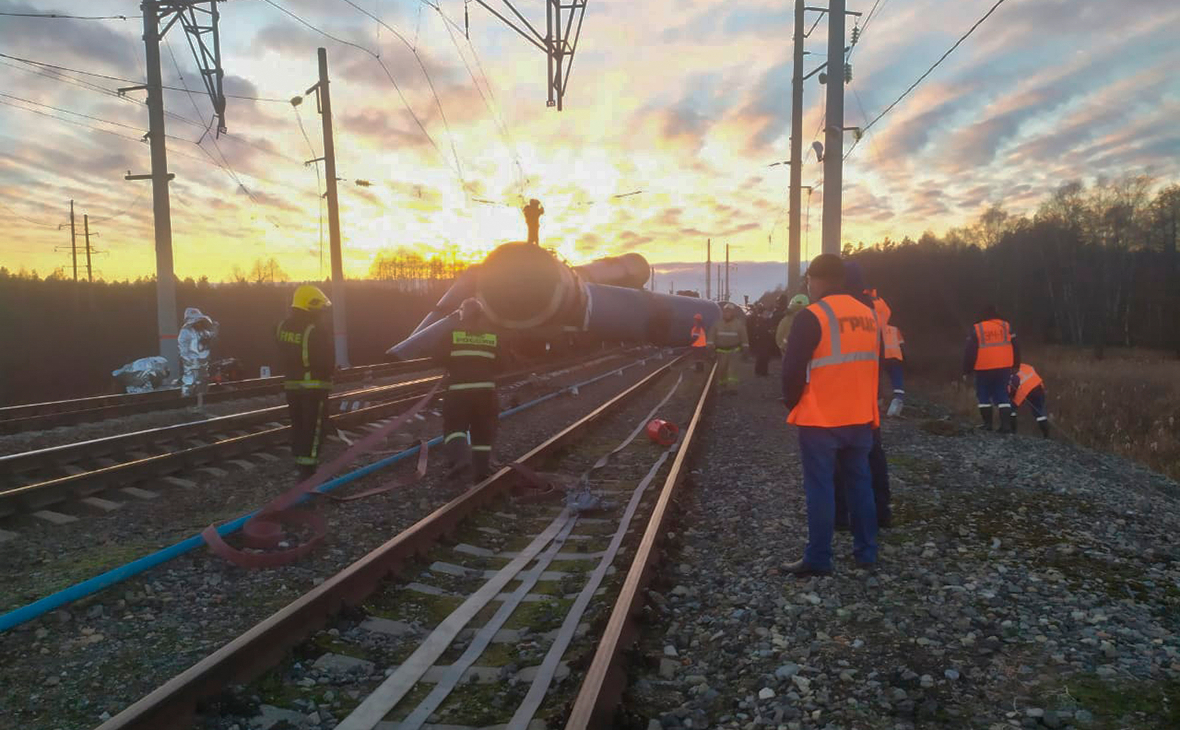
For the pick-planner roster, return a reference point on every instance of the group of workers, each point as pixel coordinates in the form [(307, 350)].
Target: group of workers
[(837, 341), (471, 355)]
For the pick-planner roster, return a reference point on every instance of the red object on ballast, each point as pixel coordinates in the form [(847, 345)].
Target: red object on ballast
[(662, 432)]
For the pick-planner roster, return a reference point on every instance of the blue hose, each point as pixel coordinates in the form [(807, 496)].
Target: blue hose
[(56, 600)]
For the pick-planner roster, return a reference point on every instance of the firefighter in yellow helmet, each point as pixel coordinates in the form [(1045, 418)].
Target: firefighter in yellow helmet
[(307, 360)]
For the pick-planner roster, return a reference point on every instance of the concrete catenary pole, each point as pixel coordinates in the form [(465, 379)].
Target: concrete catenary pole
[(339, 311), (73, 242), (793, 251), (834, 129), (165, 280), (708, 268), (727, 272), (89, 266)]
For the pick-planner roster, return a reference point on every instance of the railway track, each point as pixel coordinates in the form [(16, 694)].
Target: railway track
[(39, 416), (504, 605), (33, 481)]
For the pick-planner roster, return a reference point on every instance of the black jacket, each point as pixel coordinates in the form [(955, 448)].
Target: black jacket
[(306, 351)]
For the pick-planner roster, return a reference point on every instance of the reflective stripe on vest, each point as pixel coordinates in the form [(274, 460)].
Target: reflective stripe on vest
[(472, 386), (473, 353), (700, 339), (842, 374), (307, 382), (995, 345), (1029, 381), (893, 343)]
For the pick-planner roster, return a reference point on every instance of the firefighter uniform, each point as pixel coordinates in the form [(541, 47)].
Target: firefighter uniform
[(307, 360), (729, 338), (471, 404), (1026, 385), (993, 355)]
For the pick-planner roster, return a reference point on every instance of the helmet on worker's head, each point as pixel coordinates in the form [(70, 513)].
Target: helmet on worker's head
[(799, 301), (470, 309), (310, 299), (698, 317)]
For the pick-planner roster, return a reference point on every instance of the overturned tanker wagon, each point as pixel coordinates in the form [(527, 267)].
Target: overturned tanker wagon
[(526, 288)]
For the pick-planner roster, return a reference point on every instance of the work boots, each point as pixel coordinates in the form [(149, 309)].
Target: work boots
[(1044, 428), (985, 412), (1012, 420), (1006, 420), (481, 465)]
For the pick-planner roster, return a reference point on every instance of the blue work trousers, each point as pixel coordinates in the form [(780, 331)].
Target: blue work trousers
[(896, 378), (991, 386), (822, 450), (1036, 401)]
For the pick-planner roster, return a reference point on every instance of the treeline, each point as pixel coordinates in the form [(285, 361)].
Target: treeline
[(1094, 266), (61, 339), (410, 271)]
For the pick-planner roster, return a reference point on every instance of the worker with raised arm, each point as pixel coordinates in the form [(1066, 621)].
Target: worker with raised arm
[(307, 359), (1026, 384), (729, 339), (993, 354), (829, 382), (532, 218), (473, 356)]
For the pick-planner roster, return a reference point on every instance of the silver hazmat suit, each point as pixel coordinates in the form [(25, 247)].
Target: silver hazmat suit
[(143, 375), (196, 336)]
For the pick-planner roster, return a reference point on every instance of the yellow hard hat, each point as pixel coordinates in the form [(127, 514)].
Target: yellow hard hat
[(310, 299)]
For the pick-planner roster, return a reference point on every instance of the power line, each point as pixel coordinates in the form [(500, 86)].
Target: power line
[(319, 194), (131, 81), (67, 111), (30, 220), (60, 16), (936, 64)]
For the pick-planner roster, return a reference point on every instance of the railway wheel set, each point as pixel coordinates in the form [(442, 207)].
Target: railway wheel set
[(510, 603)]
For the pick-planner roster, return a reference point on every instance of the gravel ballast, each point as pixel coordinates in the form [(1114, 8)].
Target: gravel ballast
[(1026, 583), (72, 667)]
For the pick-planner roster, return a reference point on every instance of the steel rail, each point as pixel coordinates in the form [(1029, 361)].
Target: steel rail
[(602, 688), (32, 497), (243, 659), (26, 461), (36, 416)]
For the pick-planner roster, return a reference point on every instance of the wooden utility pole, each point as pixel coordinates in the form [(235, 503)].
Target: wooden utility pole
[(727, 272), (339, 319)]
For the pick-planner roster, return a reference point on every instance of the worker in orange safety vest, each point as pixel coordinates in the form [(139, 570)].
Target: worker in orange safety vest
[(1027, 385), (993, 354), (830, 376), (700, 341), (893, 356)]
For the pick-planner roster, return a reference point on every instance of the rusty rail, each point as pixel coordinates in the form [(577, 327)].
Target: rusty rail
[(248, 656), (602, 688)]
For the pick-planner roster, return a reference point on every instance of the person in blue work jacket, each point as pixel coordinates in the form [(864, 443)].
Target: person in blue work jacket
[(829, 382)]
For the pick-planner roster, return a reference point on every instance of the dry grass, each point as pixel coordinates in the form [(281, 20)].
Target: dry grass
[(1128, 403)]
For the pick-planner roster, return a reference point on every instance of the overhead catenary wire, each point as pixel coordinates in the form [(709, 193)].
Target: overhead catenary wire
[(930, 70), (30, 220), (386, 70), (318, 185), (108, 77), (64, 16)]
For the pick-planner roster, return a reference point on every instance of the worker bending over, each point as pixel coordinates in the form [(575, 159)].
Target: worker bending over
[(830, 373), (308, 360), (1027, 385), (893, 354), (472, 356), (728, 337), (993, 354)]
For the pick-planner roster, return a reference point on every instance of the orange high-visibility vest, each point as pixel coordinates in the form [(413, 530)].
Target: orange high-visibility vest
[(881, 307), (842, 374), (699, 337), (893, 343), (995, 345), (1029, 380)]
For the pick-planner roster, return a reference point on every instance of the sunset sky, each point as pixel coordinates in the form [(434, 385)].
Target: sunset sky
[(686, 100)]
